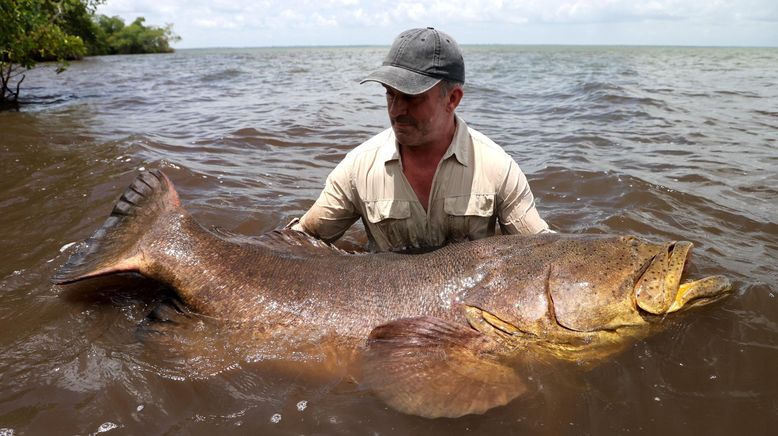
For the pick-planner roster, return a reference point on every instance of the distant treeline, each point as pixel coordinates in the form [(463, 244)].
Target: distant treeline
[(109, 35), (60, 30)]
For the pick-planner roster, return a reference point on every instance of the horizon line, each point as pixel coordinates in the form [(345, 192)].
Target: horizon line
[(485, 44)]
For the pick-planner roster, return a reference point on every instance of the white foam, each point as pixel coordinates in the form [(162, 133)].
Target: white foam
[(66, 246), (107, 426)]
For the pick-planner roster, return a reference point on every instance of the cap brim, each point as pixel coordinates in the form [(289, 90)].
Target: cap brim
[(405, 81)]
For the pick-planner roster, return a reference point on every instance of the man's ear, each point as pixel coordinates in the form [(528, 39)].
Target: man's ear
[(454, 97)]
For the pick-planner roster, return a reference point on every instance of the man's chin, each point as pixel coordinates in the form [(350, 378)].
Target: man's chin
[(407, 142), (403, 135)]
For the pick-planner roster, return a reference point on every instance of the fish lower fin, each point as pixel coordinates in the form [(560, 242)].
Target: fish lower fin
[(163, 324), (435, 368), (184, 344), (114, 246)]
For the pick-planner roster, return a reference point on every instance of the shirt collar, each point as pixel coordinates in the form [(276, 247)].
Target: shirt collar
[(460, 145)]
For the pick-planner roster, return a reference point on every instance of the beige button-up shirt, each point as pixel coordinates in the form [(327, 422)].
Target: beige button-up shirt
[(475, 186)]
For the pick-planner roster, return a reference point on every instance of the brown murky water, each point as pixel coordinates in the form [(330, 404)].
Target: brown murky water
[(664, 143)]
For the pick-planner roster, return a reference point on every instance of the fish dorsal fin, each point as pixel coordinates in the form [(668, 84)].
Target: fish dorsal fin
[(113, 247), (435, 368), (293, 241)]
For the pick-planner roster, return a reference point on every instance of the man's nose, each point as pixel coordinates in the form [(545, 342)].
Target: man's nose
[(396, 105)]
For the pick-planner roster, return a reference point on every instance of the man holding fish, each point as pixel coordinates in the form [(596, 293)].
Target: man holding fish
[(429, 179)]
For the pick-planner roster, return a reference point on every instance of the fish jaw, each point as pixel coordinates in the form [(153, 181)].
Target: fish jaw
[(659, 290), (699, 292), (539, 344)]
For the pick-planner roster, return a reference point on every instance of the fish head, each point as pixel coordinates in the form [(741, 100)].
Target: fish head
[(584, 297), (604, 283)]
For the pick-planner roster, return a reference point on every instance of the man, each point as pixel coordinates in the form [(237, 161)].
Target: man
[(429, 179)]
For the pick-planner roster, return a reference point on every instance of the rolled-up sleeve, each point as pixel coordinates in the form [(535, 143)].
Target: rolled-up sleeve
[(516, 205), (334, 211)]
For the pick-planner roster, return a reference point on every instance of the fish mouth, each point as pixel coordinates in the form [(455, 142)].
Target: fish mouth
[(659, 289), (701, 292)]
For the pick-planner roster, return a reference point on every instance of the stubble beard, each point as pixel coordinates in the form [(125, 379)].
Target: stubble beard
[(409, 132)]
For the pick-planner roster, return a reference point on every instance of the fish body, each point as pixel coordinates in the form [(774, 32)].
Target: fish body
[(423, 322)]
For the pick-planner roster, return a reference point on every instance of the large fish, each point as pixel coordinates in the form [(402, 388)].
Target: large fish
[(438, 333)]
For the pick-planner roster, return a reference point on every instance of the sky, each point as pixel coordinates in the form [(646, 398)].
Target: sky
[(262, 23)]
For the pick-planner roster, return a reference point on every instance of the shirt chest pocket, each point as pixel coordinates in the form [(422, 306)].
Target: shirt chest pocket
[(469, 216), (481, 205), (389, 224), (382, 210)]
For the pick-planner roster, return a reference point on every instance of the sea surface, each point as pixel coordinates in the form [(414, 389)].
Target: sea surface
[(662, 143)]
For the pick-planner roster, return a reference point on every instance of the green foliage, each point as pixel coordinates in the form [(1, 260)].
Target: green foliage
[(116, 38), (32, 30), (76, 20), (104, 27), (60, 30)]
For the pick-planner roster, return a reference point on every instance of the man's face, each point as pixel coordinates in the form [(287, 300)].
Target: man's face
[(417, 119)]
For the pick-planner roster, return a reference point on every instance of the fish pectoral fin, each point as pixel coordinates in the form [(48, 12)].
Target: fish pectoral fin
[(435, 368), (184, 343), (164, 322)]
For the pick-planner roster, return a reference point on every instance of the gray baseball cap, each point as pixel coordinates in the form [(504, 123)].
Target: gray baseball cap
[(418, 60)]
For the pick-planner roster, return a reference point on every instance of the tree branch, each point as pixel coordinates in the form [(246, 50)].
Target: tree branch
[(18, 84), (4, 78)]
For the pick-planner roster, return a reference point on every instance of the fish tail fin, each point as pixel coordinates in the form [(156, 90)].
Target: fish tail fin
[(114, 247)]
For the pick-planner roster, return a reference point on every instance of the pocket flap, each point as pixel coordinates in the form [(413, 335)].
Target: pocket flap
[(470, 205), (380, 210)]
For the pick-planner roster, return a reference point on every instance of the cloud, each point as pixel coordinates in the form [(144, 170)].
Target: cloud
[(361, 21), (236, 22)]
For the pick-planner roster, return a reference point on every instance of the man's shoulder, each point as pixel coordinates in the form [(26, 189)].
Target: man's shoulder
[(363, 156), (484, 145), (373, 146)]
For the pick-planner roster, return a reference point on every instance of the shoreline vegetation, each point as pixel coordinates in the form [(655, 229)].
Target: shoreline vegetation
[(65, 30)]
